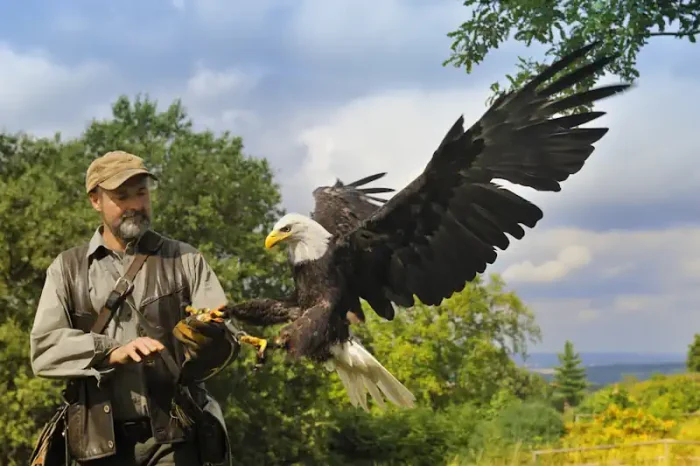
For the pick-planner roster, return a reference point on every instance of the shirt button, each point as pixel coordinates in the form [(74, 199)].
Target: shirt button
[(110, 444), (106, 408)]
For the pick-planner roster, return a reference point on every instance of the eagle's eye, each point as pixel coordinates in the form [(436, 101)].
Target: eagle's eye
[(286, 229)]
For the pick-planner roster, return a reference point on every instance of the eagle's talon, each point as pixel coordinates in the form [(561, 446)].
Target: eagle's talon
[(206, 314), (216, 315), (259, 343), (194, 311)]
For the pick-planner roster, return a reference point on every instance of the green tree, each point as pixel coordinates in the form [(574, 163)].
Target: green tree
[(569, 377), (693, 360), (623, 26)]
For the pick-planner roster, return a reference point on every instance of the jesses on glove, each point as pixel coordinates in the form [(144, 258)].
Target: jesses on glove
[(209, 348)]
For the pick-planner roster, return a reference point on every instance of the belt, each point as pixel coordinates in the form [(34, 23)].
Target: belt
[(138, 430)]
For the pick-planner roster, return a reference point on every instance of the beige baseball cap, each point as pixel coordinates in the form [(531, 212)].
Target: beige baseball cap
[(113, 169)]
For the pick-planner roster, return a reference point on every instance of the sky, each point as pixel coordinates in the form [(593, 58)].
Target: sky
[(352, 87)]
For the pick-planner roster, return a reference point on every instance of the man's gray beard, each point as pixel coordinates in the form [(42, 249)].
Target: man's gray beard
[(131, 228)]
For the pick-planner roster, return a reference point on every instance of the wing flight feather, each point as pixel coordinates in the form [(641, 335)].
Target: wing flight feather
[(342, 207)]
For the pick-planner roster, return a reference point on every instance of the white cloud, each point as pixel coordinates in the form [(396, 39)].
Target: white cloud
[(570, 258), (355, 27), (652, 294), (659, 255), (335, 30), (662, 322), (588, 315), (214, 98), (207, 83), (227, 17), (40, 95), (635, 303), (396, 132)]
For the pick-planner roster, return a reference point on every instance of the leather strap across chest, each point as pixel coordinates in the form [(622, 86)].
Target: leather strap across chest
[(122, 287)]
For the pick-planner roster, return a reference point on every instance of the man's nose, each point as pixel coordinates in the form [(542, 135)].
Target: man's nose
[(134, 203)]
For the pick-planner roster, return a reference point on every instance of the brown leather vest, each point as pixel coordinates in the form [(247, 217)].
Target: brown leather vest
[(90, 422)]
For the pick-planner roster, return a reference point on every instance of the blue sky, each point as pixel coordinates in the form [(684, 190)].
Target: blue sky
[(348, 88)]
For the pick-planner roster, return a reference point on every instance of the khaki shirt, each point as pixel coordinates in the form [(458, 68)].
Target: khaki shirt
[(60, 352)]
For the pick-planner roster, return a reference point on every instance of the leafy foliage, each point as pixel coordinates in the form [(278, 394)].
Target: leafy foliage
[(664, 396), (459, 351), (419, 436), (530, 424), (621, 25)]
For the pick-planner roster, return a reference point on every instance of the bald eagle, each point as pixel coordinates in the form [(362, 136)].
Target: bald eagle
[(429, 238)]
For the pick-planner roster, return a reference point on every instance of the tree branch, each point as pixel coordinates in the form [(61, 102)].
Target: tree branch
[(676, 34)]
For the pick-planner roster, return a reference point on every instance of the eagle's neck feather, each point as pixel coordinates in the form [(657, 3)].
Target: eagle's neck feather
[(311, 245)]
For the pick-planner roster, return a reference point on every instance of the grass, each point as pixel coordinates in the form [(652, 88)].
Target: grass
[(650, 454)]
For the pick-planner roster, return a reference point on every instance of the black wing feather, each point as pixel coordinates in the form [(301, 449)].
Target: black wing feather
[(442, 229), (342, 207)]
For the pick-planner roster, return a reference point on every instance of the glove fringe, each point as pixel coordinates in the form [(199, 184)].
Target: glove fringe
[(180, 415)]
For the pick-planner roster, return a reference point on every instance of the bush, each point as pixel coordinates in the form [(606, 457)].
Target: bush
[(417, 436), (520, 424), (670, 396), (598, 402)]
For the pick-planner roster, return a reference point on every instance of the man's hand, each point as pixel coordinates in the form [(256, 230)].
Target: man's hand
[(135, 351)]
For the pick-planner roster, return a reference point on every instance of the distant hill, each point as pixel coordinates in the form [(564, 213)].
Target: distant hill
[(608, 368), (544, 360), (606, 375)]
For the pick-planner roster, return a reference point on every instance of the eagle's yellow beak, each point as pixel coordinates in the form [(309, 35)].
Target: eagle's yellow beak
[(275, 237)]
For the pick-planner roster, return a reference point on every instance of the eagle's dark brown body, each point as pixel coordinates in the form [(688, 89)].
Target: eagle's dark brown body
[(321, 290)]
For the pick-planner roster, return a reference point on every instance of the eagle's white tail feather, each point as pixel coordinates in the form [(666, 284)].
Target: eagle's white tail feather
[(361, 373)]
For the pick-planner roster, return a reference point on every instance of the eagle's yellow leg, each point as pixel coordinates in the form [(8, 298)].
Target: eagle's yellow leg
[(259, 343)]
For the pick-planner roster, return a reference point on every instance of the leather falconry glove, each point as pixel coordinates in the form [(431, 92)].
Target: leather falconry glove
[(209, 347)]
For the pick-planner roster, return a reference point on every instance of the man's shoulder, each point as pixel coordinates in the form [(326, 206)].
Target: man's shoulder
[(180, 247), (74, 253), (170, 243), (67, 260)]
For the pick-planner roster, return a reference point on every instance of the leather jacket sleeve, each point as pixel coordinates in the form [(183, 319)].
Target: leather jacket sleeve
[(58, 351)]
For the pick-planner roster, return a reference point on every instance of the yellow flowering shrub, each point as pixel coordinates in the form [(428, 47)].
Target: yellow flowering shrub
[(614, 426)]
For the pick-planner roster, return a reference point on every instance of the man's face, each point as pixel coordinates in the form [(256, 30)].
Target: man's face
[(126, 211)]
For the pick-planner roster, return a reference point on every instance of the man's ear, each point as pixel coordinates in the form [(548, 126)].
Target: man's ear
[(95, 199)]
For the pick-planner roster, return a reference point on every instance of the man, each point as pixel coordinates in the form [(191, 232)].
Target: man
[(122, 413)]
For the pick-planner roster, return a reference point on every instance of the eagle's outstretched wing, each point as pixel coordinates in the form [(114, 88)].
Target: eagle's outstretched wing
[(342, 207), (441, 230)]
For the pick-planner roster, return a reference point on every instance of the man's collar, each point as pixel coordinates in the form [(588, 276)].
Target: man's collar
[(149, 242), (96, 242)]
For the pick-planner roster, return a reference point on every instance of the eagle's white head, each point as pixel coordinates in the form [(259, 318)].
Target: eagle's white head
[(307, 239)]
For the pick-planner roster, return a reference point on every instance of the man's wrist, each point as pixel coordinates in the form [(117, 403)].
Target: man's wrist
[(104, 347)]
